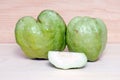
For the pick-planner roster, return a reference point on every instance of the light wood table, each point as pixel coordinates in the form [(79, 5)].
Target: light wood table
[(15, 66)]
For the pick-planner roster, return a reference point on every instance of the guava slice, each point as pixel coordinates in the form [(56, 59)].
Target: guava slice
[(67, 60)]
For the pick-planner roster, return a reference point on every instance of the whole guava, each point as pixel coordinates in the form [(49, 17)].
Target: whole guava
[(37, 37), (87, 35)]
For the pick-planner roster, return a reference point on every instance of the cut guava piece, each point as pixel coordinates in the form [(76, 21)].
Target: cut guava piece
[(67, 60)]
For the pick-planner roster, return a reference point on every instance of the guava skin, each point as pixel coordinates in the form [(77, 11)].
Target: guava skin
[(37, 37), (87, 35)]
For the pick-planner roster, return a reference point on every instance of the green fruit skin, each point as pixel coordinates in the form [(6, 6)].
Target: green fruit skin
[(87, 35), (37, 37)]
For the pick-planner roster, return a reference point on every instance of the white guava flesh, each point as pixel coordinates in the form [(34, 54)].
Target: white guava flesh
[(67, 60)]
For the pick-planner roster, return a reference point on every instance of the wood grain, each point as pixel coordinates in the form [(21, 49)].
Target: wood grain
[(12, 10)]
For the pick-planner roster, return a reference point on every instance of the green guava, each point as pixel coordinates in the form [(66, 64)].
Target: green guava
[(37, 37), (87, 35)]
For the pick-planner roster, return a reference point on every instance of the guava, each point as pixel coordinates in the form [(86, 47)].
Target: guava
[(87, 35), (37, 37), (67, 60)]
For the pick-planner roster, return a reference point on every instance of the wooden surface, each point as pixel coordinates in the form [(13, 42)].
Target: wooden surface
[(15, 66), (12, 10)]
